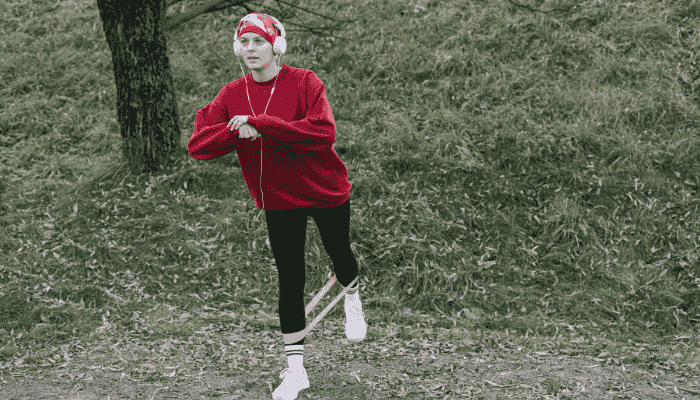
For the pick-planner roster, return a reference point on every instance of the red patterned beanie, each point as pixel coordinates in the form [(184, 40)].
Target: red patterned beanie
[(261, 24)]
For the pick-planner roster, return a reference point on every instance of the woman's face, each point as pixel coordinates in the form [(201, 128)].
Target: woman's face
[(254, 45)]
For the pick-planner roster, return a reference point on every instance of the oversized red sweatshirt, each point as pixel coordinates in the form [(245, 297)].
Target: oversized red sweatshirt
[(300, 168)]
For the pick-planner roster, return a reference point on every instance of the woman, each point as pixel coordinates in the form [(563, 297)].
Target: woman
[(298, 175)]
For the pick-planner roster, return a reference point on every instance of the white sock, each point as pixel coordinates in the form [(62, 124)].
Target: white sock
[(353, 290), (295, 356)]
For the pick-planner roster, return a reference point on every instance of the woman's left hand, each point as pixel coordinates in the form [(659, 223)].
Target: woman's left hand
[(237, 121), (246, 131)]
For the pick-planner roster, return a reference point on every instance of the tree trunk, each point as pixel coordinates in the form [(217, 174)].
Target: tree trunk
[(146, 105)]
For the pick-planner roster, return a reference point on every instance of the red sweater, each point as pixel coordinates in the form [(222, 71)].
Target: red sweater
[(300, 168)]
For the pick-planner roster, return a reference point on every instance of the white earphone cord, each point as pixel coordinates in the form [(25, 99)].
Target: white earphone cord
[(264, 112)]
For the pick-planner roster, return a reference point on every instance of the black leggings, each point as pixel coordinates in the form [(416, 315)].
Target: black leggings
[(287, 230)]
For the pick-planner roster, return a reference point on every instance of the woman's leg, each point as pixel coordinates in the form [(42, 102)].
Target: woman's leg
[(287, 231), (334, 225)]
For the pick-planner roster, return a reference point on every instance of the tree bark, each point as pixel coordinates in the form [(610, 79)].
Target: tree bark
[(146, 104)]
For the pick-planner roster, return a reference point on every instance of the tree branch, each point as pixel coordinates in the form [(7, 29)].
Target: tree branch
[(216, 5), (315, 31), (311, 12), (172, 21)]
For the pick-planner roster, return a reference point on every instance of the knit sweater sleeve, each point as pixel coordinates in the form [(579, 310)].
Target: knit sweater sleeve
[(315, 132), (212, 138)]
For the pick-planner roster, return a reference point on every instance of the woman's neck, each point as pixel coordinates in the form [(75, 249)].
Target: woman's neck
[(264, 76)]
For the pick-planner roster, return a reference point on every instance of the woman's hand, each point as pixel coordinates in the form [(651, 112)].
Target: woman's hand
[(246, 131), (237, 121)]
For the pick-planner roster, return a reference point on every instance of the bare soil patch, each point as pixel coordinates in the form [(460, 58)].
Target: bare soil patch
[(245, 364)]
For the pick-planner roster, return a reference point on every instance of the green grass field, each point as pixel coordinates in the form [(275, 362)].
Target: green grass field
[(513, 171)]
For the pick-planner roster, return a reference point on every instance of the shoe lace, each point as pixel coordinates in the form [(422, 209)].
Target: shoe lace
[(284, 372)]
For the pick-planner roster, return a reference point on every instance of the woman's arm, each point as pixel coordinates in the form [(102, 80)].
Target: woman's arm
[(315, 132), (211, 137)]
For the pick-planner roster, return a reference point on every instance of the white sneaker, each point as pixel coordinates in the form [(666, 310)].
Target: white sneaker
[(292, 383), (355, 325)]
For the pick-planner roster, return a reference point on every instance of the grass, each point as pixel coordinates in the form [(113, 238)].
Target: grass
[(512, 171)]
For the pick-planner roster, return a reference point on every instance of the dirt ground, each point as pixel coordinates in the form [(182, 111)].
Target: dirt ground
[(166, 368)]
